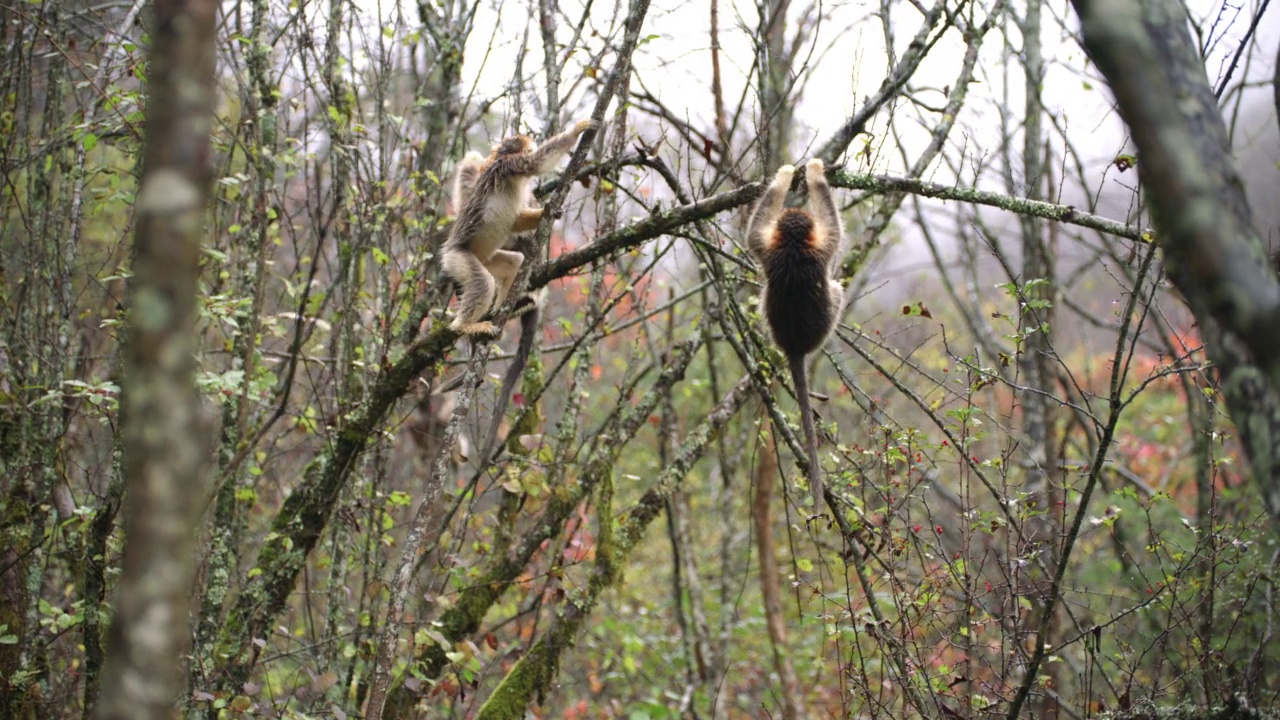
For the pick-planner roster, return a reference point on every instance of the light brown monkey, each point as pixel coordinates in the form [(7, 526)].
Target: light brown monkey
[(801, 301), (491, 199)]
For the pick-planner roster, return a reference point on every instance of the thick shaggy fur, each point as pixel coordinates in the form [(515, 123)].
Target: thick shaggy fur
[(798, 251), (799, 304), (491, 198)]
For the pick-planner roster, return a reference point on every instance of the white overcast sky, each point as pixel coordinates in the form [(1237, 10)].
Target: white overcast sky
[(848, 63)]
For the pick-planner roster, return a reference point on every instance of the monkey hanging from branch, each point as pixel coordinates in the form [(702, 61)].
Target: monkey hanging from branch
[(801, 301), (491, 198)]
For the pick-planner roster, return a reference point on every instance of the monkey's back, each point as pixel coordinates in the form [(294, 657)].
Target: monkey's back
[(484, 222), (797, 301)]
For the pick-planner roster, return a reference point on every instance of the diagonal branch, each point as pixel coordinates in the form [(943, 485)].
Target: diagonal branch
[(304, 515), (897, 78), (657, 224), (1215, 257), (537, 669)]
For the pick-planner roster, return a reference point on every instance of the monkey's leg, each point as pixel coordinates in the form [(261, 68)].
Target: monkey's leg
[(526, 221), (504, 265), (475, 292)]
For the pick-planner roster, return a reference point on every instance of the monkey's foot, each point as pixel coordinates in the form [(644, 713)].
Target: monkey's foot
[(527, 303), (480, 330), (814, 168)]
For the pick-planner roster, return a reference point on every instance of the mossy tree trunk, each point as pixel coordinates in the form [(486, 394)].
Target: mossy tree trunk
[(164, 452), (1202, 218)]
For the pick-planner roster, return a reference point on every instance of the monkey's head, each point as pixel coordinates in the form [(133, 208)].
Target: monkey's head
[(794, 228), (514, 145)]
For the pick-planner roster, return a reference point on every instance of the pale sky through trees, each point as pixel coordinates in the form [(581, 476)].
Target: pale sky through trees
[(846, 62)]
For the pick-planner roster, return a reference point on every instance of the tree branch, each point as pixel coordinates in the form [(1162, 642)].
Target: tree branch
[(1198, 204)]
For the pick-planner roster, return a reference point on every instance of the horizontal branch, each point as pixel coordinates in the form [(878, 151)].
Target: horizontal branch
[(306, 511), (667, 221), (882, 184)]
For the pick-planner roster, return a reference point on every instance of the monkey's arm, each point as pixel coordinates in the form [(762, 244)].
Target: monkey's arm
[(763, 218), (526, 220), (549, 153), (830, 229), (469, 169)]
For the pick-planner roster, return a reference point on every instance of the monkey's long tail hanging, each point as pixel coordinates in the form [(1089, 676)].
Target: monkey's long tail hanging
[(800, 380), (528, 326)]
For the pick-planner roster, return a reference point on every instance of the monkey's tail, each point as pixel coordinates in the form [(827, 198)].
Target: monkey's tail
[(528, 326), (800, 379)]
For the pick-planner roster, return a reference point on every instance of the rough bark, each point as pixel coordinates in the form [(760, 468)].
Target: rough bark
[(163, 450), (1204, 225)]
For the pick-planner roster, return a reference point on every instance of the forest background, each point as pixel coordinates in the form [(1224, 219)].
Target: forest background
[(244, 467)]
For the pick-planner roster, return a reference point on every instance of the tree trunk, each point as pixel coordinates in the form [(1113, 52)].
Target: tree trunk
[(164, 454), (1204, 225)]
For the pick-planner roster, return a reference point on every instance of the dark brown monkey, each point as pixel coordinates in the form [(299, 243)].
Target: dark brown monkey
[(491, 198), (801, 301)]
